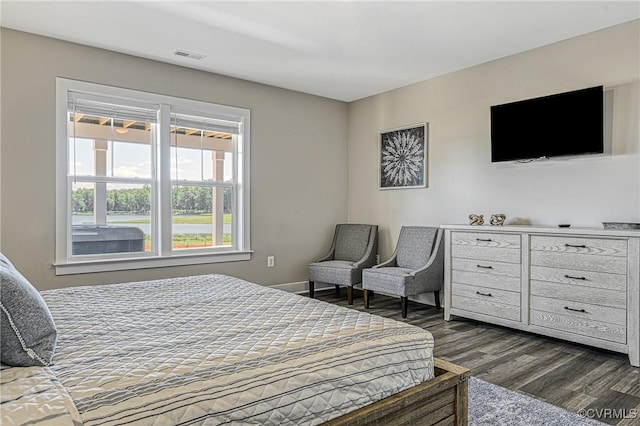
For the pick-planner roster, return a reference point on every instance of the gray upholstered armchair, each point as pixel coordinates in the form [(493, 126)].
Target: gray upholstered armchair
[(354, 248), (417, 266)]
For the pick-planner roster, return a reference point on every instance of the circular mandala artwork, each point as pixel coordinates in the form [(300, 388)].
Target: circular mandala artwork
[(402, 158)]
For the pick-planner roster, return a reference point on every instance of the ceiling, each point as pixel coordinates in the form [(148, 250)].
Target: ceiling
[(344, 50)]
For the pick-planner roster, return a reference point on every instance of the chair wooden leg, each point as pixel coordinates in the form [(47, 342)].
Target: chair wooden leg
[(350, 294), (436, 295), (403, 304), (311, 289), (366, 298), (337, 290)]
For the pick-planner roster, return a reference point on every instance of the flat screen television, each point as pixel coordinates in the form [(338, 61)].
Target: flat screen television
[(563, 124)]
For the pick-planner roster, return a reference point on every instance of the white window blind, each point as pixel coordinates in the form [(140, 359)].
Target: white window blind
[(111, 107), (203, 122)]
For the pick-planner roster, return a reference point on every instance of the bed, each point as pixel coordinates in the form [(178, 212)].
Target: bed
[(215, 349)]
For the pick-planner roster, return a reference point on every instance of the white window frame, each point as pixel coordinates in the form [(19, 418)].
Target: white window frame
[(164, 255)]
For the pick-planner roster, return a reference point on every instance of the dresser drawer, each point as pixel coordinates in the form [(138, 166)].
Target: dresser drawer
[(501, 282), (585, 254), (486, 307), (486, 246), (486, 239), (582, 262), (583, 311), (580, 326), (484, 253), (580, 294), (580, 245), (603, 280), (490, 267), (486, 294)]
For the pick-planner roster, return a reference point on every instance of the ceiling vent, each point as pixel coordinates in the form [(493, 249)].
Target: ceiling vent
[(189, 55)]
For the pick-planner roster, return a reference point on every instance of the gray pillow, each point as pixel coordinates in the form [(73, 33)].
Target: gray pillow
[(27, 331), (4, 261)]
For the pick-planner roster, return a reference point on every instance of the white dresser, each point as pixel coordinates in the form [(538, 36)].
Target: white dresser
[(581, 285)]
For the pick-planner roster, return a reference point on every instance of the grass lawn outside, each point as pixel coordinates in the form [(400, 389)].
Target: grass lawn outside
[(183, 241)]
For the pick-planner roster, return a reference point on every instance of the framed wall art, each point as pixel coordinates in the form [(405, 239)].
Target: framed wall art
[(403, 158)]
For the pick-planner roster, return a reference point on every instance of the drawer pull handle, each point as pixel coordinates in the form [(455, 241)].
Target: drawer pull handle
[(484, 267), (575, 246), (575, 278), (486, 240), (575, 310), (484, 294)]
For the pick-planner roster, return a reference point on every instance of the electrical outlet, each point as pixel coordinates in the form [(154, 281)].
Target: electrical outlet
[(377, 259), (271, 261)]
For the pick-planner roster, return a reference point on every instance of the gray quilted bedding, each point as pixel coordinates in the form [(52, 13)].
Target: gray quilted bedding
[(211, 350)]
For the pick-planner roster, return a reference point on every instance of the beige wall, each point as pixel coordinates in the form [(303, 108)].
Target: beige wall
[(298, 159), (462, 179), (301, 158)]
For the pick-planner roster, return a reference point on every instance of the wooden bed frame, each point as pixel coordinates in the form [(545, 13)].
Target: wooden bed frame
[(442, 401)]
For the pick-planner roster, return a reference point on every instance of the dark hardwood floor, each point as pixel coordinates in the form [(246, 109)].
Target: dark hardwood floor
[(572, 376)]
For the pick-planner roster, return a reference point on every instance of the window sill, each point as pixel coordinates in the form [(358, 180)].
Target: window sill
[(86, 267)]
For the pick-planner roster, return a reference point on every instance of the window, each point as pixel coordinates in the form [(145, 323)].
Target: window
[(147, 180)]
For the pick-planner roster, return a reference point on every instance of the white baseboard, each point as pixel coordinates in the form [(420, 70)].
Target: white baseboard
[(301, 287), (425, 298)]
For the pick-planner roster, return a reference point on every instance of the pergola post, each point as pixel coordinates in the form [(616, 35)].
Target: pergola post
[(100, 193), (217, 198)]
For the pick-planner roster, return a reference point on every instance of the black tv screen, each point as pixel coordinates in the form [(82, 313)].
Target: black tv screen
[(563, 124)]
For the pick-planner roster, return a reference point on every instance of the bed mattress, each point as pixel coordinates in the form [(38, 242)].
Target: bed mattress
[(211, 349)]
